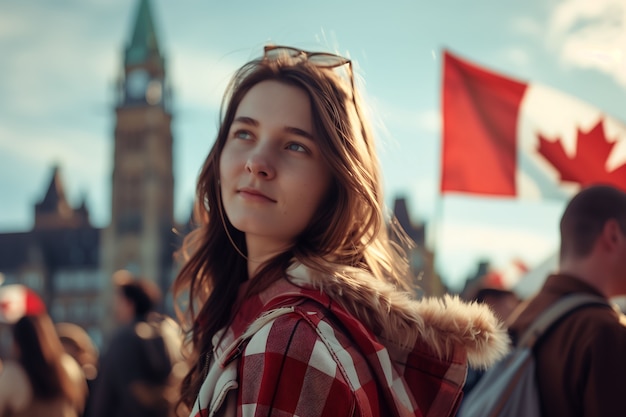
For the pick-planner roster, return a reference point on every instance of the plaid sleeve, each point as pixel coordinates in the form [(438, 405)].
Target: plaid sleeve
[(287, 370)]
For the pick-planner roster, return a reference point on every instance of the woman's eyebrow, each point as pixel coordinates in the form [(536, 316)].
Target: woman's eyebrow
[(299, 132), (246, 120)]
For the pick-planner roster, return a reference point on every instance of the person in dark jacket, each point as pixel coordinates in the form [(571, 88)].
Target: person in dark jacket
[(581, 362), (135, 370)]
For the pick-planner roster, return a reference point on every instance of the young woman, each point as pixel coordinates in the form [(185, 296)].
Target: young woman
[(299, 303), (44, 381)]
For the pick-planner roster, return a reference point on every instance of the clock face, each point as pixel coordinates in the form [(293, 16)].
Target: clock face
[(137, 82), (154, 92)]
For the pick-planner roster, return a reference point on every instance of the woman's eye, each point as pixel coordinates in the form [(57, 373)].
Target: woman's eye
[(296, 147), (242, 134)]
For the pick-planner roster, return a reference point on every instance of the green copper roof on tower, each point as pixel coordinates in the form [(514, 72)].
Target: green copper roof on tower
[(143, 46)]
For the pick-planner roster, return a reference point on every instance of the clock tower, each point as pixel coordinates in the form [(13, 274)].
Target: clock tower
[(139, 237)]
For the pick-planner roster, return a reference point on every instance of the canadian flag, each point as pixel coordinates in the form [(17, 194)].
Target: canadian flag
[(503, 137), (16, 301)]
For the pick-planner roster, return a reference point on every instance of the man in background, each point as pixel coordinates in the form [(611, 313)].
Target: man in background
[(581, 362), (134, 375)]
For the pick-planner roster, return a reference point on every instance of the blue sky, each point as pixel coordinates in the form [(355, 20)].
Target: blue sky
[(59, 61)]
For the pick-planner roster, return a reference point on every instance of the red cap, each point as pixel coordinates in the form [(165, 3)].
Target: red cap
[(17, 301)]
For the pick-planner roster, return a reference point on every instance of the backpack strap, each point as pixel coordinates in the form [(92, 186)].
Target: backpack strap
[(554, 313)]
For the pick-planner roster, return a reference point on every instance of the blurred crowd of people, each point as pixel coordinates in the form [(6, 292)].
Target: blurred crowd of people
[(56, 370)]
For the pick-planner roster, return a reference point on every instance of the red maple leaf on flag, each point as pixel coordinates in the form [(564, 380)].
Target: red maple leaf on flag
[(588, 165)]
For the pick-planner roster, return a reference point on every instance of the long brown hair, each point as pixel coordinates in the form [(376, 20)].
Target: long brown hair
[(40, 353), (348, 230)]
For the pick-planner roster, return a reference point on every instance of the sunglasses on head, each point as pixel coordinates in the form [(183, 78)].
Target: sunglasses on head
[(319, 59)]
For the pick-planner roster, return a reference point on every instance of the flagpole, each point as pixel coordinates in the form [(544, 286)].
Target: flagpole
[(434, 238)]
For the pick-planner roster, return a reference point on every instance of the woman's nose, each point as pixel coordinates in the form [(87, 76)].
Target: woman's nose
[(259, 164)]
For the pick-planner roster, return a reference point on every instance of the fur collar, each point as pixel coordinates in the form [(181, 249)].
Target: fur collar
[(442, 323)]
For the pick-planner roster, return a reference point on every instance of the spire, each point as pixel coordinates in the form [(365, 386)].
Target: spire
[(53, 211), (54, 201), (82, 209), (402, 213), (143, 45)]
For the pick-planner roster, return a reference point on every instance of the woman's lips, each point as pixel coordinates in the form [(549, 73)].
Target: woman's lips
[(255, 195)]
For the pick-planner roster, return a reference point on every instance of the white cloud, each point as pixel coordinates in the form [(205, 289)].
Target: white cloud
[(591, 34), (200, 77), (12, 25), (526, 26), (429, 120), (519, 57), (403, 118), (38, 78), (72, 148)]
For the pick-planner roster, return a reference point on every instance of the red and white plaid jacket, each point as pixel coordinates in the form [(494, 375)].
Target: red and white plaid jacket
[(294, 350)]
